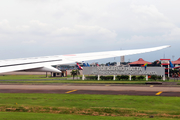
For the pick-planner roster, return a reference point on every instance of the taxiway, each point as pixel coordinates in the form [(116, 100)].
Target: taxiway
[(147, 90)]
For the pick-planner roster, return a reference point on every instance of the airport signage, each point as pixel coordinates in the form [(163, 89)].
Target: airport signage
[(115, 70)]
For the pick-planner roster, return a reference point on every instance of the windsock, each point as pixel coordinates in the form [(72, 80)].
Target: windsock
[(145, 65)]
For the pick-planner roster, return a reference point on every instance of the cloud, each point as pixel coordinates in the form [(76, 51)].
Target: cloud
[(174, 35), (150, 10), (29, 42), (84, 24), (5, 26), (82, 33), (149, 18)]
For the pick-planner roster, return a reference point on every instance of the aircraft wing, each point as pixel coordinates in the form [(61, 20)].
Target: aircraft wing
[(45, 63)]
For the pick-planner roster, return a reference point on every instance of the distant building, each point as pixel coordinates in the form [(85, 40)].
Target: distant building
[(140, 62), (165, 63), (176, 63), (122, 58), (118, 64)]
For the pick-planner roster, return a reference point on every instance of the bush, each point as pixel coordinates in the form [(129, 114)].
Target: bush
[(154, 77), (106, 77), (110, 77), (133, 77), (91, 77), (118, 77), (102, 77), (122, 77), (159, 77), (140, 77)]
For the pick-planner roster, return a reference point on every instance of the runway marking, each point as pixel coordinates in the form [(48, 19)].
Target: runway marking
[(71, 91), (151, 85), (159, 93)]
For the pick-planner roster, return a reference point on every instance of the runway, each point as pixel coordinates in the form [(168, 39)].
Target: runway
[(148, 90)]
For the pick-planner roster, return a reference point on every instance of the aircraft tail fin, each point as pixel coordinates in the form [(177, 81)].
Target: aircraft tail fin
[(171, 65), (79, 67), (88, 65), (84, 65)]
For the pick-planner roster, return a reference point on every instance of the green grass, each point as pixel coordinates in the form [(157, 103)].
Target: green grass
[(74, 81), (87, 101), (27, 77), (107, 105), (47, 116)]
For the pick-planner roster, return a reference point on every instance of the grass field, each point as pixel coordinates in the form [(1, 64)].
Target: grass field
[(73, 81), (140, 107), (47, 116), (83, 107), (27, 77)]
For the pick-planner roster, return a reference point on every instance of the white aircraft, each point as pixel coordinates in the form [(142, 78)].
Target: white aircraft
[(44, 64)]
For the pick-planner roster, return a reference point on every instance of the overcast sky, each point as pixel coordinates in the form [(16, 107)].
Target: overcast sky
[(30, 28)]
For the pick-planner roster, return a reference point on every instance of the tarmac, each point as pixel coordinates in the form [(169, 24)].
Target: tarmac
[(105, 89)]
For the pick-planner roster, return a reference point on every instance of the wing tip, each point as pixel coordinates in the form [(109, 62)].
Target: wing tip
[(168, 46)]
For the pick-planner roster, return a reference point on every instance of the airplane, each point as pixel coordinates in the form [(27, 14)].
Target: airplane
[(44, 64), (97, 65), (88, 65), (79, 67), (171, 65), (84, 64)]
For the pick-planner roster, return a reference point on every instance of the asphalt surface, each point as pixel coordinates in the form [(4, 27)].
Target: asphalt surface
[(147, 90)]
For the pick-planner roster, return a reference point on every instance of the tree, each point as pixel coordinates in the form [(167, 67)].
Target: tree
[(74, 73), (156, 63), (77, 72)]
